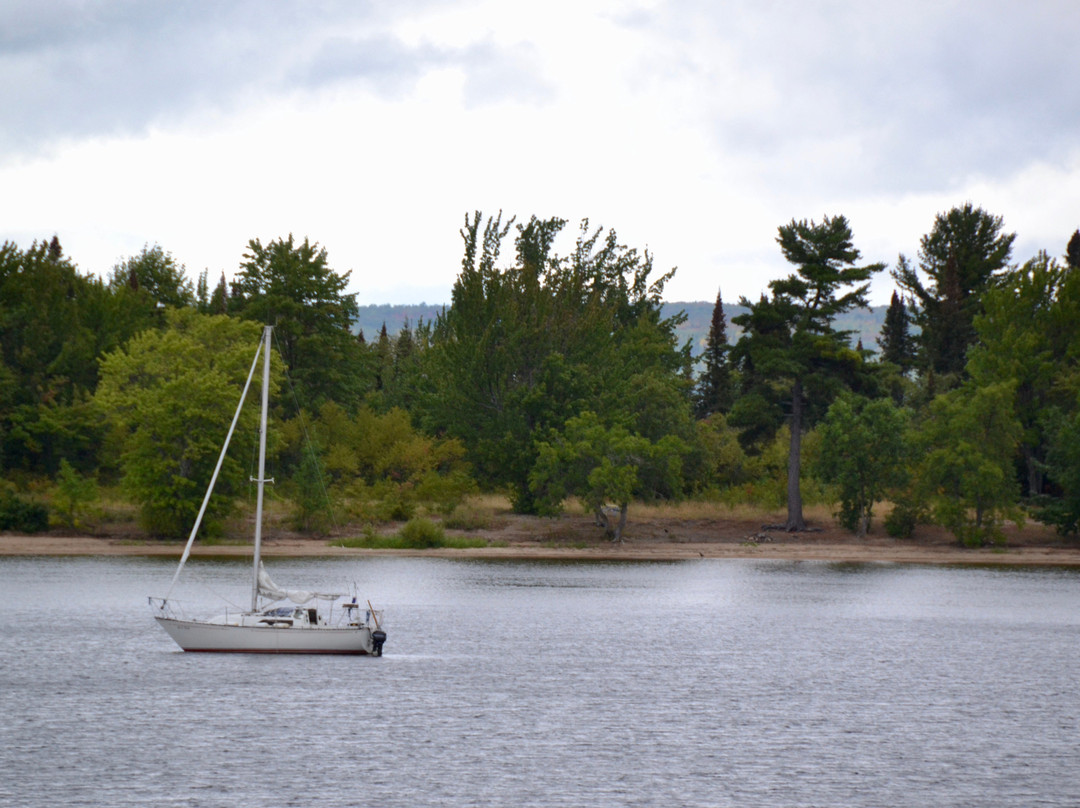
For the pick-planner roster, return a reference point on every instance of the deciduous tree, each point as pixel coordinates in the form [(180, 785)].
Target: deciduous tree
[(170, 396), (968, 447), (521, 350), (863, 452)]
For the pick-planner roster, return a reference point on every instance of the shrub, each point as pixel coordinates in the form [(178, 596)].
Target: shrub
[(21, 515), (421, 534), (901, 520)]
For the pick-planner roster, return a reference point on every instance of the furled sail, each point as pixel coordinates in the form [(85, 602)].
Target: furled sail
[(268, 589)]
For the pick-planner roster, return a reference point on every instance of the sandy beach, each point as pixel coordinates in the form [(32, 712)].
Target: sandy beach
[(575, 537)]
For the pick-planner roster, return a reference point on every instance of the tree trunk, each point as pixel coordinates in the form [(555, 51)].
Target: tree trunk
[(622, 522), (1034, 472), (795, 521)]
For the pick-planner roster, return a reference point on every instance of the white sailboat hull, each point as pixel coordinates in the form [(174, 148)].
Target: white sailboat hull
[(193, 635)]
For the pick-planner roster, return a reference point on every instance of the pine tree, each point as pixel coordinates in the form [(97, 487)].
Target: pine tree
[(790, 355), (714, 392), (959, 259), (1072, 252), (219, 300), (895, 340)]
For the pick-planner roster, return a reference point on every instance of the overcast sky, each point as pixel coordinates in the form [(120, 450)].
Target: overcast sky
[(694, 129)]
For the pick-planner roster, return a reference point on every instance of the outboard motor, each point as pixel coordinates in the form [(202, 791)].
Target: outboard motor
[(378, 637)]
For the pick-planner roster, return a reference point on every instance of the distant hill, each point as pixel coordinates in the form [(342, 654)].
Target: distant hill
[(370, 319), (865, 324)]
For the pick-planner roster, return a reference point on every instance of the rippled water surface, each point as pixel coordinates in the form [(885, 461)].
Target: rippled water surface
[(539, 684)]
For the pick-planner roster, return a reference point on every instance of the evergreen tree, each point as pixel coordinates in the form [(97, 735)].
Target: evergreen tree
[(895, 341), (202, 292), (960, 258), (1072, 251), (219, 300), (790, 355), (384, 362), (291, 286), (714, 393)]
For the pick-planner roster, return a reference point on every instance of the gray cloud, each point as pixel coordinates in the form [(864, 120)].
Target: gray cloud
[(853, 96), (71, 69)]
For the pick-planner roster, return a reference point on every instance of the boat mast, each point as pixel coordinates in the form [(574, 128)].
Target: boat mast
[(262, 465)]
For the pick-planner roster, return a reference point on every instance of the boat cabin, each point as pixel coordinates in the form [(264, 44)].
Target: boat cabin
[(291, 616)]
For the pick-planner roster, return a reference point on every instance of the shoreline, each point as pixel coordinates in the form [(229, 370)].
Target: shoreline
[(784, 548)]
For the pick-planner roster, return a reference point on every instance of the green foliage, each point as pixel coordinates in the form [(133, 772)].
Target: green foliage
[(969, 441), (897, 344), (717, 461), (54, 324), (156, 274), (1027, 337), (312, 507), (1063, 468), (791, 360), (21, 515), (863, 452), (901, 521), (715, 391), (291, 287), (73, 493), (602, 465), (419, 534), (170, 396), (959, 258), (524, 349), (379, 463)]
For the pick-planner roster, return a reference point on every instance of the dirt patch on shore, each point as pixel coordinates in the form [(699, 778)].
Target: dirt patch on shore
[(576, 537)]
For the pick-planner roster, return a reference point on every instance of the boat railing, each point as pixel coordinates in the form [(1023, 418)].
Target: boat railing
[(171, 609)]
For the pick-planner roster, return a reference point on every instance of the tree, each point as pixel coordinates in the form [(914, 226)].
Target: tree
[(895, 341), (863, 450), (959, 257), (968, 444), (1063, 468), (714, 392), (54, 323), (170, 396), (290, 286), (73, 493), (1027, 334), (156, 273), (521, 350), (790, 354), (602, 465), (379, 462), (1072, 251)]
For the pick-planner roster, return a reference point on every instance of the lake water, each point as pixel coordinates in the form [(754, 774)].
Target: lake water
[(698, 683)]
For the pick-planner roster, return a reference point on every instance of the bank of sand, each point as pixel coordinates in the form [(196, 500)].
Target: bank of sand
[(575, 537)]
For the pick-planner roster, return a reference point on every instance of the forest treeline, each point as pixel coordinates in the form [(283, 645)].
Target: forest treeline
[(551, 376)]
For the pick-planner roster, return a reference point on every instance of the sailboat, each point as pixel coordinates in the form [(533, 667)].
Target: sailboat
[(280, 621)]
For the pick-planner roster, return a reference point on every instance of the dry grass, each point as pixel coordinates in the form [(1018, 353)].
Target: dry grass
[(713, 510)]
